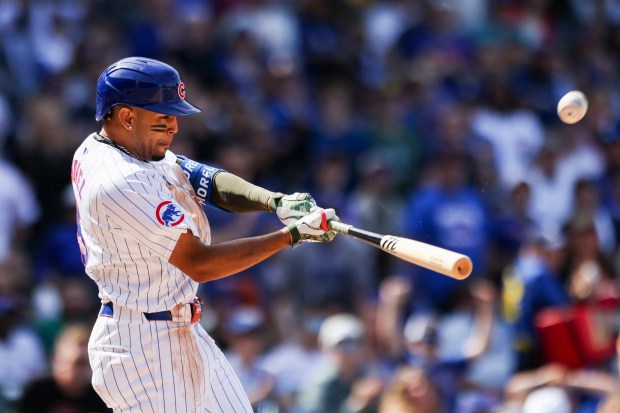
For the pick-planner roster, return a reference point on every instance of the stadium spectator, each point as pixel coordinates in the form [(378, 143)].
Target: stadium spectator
[(417, 342), (446, 211), (22, 357), (346, 384), (245, 335), (410, 391), (68, 388)]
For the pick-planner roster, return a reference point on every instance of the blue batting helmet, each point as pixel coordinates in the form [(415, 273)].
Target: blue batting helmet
[(144, 83)]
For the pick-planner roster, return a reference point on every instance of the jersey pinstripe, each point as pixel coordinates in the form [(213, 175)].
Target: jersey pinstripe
[(161, 367), (130, 216), (125, 240)]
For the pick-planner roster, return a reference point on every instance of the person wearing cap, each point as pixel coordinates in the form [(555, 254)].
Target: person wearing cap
[(245, 336), (145, 240), (530, 285), (345, 384), (548, 400), (295, 356)]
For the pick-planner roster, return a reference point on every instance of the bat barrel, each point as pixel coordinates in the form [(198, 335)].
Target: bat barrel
[(434, 258), (462, 268), (441, 260)]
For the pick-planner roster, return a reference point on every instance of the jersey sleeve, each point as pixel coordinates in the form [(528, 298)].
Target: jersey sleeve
[(142, 208)]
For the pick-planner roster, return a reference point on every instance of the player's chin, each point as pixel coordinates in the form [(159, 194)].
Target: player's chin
[(158, 156), (160, 152)]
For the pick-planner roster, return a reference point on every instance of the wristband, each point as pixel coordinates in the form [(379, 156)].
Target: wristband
[(295, 235), (274, 201)]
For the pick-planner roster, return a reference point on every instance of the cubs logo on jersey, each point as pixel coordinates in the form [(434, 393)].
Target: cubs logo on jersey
[(168, 214)]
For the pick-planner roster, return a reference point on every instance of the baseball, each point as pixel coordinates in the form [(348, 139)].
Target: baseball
[(572, 107)]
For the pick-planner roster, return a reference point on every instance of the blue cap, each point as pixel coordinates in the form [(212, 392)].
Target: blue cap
[(245, 319)]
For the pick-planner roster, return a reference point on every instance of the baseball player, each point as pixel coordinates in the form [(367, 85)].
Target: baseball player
[(145, 241)]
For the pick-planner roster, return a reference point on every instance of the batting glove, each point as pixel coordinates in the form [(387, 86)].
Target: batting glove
[(291, 208), (313, 227)]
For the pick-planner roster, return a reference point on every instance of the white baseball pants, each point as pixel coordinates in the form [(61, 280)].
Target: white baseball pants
[(161, 367)]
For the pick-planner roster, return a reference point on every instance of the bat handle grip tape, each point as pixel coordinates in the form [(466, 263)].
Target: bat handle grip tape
[(340, 227)]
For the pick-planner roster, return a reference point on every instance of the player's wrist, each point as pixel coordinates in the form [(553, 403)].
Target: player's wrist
[(274, 201), (295, 235)]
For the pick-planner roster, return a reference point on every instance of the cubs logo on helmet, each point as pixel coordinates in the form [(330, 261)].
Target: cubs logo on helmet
[(182, 90), (168, 214)]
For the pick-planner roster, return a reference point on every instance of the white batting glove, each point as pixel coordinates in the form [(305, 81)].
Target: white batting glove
[(313, 227), (291, 208)]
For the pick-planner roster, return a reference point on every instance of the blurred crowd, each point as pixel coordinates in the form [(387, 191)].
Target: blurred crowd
[(430, 119)]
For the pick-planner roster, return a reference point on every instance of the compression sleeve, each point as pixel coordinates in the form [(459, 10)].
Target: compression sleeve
[(235, 194), (217, 188)]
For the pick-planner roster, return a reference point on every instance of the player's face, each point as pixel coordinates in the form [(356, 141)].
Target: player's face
[(153, 134)]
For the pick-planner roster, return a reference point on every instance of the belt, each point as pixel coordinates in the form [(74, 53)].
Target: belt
[(107, 310)]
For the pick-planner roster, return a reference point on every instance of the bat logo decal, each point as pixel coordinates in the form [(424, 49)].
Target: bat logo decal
[(389, 243), (168, 215)]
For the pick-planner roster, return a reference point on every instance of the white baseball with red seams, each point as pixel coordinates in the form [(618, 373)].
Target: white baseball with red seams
[(572, 107)]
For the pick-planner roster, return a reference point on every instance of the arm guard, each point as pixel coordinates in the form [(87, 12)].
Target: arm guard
[(223, 190)]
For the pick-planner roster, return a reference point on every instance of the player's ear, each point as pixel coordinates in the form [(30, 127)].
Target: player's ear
[(126, 117)]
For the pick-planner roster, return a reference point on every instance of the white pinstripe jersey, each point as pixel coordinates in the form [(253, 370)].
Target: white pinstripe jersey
[(130, 215)]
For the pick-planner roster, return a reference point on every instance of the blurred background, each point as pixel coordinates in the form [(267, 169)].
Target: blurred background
[(434, 120)]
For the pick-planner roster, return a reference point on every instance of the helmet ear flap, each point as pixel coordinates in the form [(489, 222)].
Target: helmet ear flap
[(113, 111), (108, 96)]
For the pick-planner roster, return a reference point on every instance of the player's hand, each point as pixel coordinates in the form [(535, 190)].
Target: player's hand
[(313, 227), (291, 208), (395, 290), (483, 293)]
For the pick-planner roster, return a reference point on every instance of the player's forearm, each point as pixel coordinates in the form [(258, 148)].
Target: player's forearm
[(204, 263), (235, 194)]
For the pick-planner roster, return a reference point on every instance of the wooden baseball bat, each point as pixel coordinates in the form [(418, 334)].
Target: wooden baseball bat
[(437, 259)]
